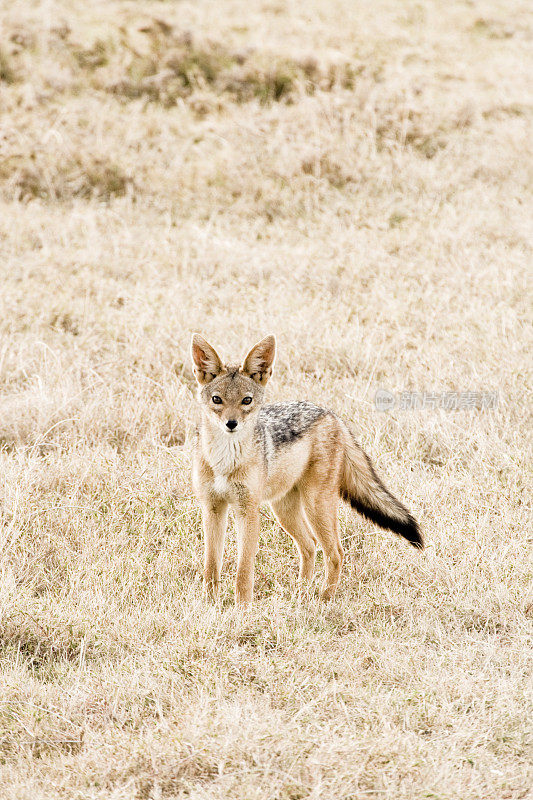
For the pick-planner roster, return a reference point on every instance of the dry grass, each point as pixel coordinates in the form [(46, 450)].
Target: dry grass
[(353, 177)]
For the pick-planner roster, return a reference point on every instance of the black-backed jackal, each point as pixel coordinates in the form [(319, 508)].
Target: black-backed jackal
[(297, 456)]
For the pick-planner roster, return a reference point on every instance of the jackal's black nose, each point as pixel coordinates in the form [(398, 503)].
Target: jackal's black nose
[(231, 424)]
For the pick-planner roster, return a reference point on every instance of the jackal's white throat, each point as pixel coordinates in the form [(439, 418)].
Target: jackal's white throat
[(226, 451)]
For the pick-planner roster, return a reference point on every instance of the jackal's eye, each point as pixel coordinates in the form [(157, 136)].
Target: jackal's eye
[(246, 401), (216, 399)]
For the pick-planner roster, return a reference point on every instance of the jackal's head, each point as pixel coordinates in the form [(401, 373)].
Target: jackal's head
[(231, 395)]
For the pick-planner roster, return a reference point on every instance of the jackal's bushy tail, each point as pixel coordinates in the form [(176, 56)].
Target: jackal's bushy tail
[(361, 487)]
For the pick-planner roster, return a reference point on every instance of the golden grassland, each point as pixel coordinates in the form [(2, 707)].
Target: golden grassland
[(354, 177)]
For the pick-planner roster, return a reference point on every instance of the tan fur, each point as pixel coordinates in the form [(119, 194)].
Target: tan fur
[(303, 482)]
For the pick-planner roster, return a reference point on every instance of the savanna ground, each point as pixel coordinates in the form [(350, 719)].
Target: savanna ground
[(352, 176)]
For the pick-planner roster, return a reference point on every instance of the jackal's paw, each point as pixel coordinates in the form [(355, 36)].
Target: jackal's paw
[(327, 593), (305, 589), (243, 600), (211, 591)]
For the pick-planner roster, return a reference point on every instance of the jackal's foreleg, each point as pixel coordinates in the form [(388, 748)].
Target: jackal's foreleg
[(215, 517), (247, 524)]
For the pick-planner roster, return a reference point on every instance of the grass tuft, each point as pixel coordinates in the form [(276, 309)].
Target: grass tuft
[(7, 73), (83, 176)]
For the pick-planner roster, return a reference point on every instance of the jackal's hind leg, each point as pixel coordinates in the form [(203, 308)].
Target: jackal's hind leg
[(290, 515), (321, 511)]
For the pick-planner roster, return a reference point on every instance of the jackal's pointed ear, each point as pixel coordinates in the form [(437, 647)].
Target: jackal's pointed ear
[(205, 359), (258, 362)]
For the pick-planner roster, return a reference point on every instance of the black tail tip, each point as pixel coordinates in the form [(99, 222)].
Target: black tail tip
[(411, 531), (402, 522), (408, 528)]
